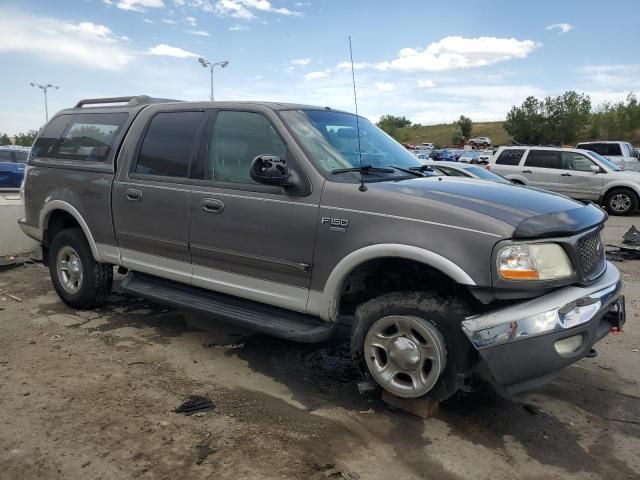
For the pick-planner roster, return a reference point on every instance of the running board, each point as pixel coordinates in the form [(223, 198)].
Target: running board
[(256, 316)]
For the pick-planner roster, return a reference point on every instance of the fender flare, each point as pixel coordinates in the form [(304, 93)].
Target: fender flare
[(54, 205), (325, 303)]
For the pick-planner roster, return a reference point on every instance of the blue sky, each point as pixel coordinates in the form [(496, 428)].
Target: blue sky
[(430, 61)]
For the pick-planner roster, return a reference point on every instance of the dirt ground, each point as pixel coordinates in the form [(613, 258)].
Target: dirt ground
[(91, 394)]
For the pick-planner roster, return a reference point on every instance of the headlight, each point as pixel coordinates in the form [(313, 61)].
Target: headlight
[(535, 261)]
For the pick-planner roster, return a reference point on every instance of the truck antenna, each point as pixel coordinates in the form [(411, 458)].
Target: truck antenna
[(363, 187)]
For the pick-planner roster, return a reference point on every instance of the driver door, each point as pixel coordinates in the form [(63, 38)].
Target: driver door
[(248, 239)]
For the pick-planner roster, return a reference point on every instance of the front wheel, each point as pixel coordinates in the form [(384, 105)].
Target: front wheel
[(621, 201), (411, 343), (79, 280)]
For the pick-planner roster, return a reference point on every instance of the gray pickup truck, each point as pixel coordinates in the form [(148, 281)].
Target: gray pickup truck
[(289, 219)]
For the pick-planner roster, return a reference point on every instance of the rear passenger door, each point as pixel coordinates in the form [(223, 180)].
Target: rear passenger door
[(542, 168), (248, 239), (151, 196), (577, 180)]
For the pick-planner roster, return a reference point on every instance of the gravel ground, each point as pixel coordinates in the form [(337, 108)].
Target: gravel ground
[(91, 394)]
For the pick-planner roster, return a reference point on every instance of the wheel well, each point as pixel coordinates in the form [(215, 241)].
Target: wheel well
[(385, 275), (628, 189), (59, 220)]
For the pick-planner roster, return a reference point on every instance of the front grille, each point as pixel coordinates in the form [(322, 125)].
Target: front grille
[(591, 252)]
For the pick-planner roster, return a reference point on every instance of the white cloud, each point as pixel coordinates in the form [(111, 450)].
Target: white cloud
[(561, 27), (245, 9), (346, 66), (237, 28), (300, 61), (452, 53), (165, 50), (425, 83), (191, 21), (385, 86), (169, 21), (317, 75), (147, 20), (139, 5), (80, 44), (200, 33)]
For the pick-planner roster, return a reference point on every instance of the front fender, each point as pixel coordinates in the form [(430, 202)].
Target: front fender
[(325, 303)]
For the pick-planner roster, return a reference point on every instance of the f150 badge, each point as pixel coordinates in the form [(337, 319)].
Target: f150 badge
[(335, 224)]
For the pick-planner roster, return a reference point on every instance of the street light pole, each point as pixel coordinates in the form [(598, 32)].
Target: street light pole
[(44, 89), (210, 65)]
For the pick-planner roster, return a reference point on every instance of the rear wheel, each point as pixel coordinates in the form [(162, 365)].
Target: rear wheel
[(411, 343), (79, 280), (621, 201)]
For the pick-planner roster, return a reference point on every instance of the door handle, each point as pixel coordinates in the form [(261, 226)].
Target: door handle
[(527, 171), (212, 205), (565, 174), (133, 195)]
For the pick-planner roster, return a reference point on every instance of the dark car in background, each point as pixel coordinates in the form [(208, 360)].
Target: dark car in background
[(13, 161), (443, 156)]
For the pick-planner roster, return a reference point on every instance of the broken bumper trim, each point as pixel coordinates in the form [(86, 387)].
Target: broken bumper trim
[(526, 345), (563, 309)]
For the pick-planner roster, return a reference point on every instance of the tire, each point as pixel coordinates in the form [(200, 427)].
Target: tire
[(434, 331), (79, 280), (621, 201)]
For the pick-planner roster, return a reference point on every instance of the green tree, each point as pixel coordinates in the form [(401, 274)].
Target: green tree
[(457, 138), (390, 123), (26, 139), (466, 126), (4, 139)]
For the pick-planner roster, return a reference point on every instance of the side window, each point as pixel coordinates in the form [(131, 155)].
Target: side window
[(5, 156), (576, 161), (239, 137), (87, 136), (169, 143), (544, 159), (510, 156), (21, 157), (613, 149), (594, 147)]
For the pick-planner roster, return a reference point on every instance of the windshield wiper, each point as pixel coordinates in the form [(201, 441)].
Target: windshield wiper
[(364, 169), (422, 168), (411, 170)]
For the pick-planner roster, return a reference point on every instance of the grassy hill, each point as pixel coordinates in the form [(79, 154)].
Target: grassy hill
[(441, 134)]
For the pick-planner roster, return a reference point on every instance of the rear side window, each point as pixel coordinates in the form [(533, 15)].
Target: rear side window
[(544, 159), (169, 144), (82, 137), (5, 156), (602, 148), (21, 157), (511, 156)]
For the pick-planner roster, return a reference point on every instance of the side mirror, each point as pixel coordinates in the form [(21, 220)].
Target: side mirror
[(270, 170), (595, 169)]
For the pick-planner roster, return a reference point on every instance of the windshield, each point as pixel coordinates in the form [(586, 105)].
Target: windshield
[(331, 139), (607, 163)]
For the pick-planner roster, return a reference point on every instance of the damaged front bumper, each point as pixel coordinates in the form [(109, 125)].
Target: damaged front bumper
[(525, 345)]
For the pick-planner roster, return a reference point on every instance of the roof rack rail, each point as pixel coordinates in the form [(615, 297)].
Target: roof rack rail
[(130, 101)]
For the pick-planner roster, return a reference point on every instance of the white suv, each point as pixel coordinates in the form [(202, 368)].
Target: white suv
[(622, 154), (580, 174), (480, 141)]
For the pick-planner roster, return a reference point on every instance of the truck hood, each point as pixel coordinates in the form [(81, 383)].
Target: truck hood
[(533, 212)]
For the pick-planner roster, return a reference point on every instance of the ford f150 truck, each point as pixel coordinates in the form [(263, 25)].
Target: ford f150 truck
[(284, 218)]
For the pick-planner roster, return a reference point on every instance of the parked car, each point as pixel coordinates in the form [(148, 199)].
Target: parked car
[(269, 216), (459, 169), (480, 142), (426, 146), (469, 156), (409, 146), (622, 154), (580, 174), (442, 155), (12, 166)]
